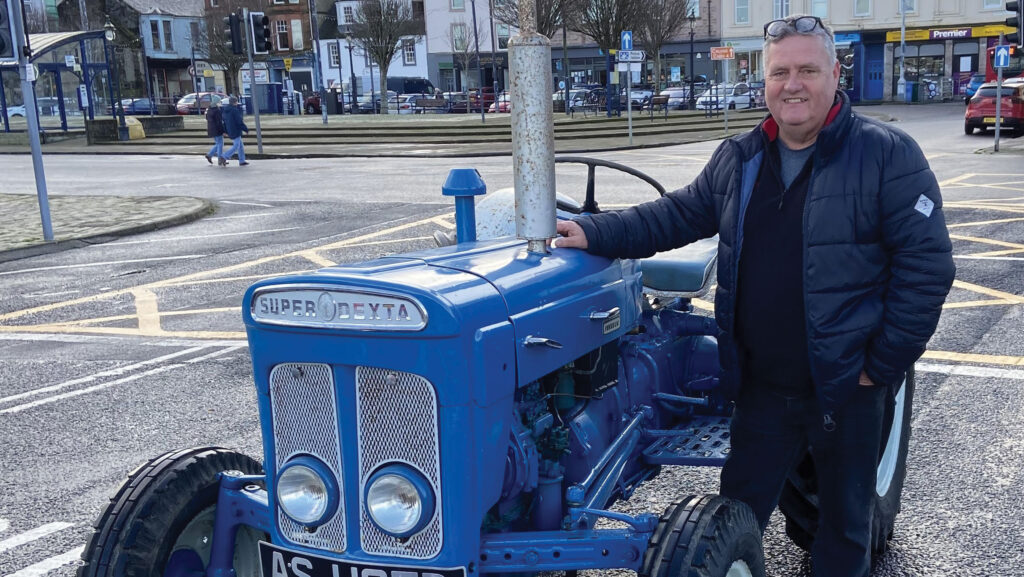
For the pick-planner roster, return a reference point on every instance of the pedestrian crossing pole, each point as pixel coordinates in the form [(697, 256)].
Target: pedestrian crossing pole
[(249, 42), (28, 77)]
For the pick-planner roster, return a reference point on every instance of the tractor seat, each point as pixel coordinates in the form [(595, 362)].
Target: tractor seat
[(684, 272)]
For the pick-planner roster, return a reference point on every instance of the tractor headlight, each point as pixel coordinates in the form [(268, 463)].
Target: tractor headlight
[(307, 491), (399, 500)]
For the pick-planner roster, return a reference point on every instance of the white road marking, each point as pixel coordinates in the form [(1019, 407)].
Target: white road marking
[(108, 373), (247, 203), (214, 354), (970, 371), (73, 338), (240, 216), (4, 524), (193, 237), (32, 535), (104, 263), (79, 392), (47, 565), (41, 295)]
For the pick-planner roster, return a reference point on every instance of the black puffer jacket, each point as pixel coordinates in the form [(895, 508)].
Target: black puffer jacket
[(877, 258), (214, 122)]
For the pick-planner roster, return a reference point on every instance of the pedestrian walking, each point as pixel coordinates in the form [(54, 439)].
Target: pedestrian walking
[(215, 129), (234, 126), (834, 263)]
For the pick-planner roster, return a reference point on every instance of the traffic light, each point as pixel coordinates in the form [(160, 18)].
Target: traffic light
[(6, 31), (260, 26), (233, 34), (1017, 7)]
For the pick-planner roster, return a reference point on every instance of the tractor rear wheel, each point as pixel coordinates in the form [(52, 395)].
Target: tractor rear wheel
[(160, 521), (799, 500), (705, 536)]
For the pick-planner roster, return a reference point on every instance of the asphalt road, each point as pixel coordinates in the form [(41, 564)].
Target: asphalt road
[(112, 354)]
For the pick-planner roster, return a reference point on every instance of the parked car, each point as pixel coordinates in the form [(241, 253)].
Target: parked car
[(486, 94), (366, 107), (458, 102), (678, 98), (407, 103), (719, 96), (503, 104), (981, 109), (188, 104), (640, 96), (312, 104), (16, 110), (972, 86), (136, 106)]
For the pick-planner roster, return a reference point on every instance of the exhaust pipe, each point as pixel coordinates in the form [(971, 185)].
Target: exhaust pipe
[(533, 138)]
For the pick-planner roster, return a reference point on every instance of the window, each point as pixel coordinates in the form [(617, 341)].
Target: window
[(154, 30), (214, 3), (334, 55), (458, 4), (780, 8), (503, 34), (282, 34), (409, 52), (862, 7), (350, 16), (992, 4), (168, 36), (296, 34), (196, 36), (819, 8), (742, 11), (459, 37), (909, 5)]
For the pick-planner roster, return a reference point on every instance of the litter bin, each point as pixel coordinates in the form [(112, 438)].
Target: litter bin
[(912, 92), (335, 102)]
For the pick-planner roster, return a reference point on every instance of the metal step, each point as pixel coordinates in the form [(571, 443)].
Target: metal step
[(704, 442)]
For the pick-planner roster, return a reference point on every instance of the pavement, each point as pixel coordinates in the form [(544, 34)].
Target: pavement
[(85, 220)]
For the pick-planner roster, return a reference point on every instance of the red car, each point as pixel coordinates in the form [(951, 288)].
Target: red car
[(502, 105), (187, 104), (474, 98), (981, 108)]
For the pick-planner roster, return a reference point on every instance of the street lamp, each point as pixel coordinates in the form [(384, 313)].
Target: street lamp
[(693, 24), (352, 71), (109, 33)]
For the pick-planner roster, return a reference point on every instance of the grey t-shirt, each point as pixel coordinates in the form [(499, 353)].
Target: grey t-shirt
[(793, 161)]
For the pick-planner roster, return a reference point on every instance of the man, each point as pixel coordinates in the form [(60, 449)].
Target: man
[(834, 262), (234, 125), (215, 129)]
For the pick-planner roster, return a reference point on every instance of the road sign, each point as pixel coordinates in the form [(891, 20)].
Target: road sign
[(722, 53), (1002, 57), (287, 64), (626, 40), (631, 55), (191, 70)]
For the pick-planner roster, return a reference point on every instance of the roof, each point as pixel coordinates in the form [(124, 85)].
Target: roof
[(193, 8), (44, 43)]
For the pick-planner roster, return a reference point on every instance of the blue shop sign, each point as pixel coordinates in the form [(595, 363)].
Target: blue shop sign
[(850, 38)]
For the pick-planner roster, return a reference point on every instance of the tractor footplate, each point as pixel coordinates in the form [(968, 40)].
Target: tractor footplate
[(703, 442)]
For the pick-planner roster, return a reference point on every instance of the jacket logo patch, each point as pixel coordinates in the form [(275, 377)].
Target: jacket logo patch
[(924, 206)]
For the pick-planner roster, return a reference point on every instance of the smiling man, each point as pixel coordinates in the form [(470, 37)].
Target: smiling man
[(834, 262)]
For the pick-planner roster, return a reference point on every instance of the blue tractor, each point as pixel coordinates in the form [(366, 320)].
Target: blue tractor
[(476, 408)]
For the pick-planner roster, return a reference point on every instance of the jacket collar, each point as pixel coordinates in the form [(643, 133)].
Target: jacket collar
[(830, 139)]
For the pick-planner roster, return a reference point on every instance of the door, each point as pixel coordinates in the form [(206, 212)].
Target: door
[(874, 72)]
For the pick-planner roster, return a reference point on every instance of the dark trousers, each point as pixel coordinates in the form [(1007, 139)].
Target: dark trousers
[(770, 434)]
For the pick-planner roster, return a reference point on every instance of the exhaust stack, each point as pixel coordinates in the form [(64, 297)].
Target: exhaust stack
[(533, 139)]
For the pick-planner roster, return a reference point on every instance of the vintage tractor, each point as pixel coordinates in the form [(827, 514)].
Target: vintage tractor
[(474, 408)]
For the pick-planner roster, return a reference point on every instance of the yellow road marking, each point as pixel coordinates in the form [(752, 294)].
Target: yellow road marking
[(988, 291), (1017, 247), (442, 221), (984, 222), (99, 320), (956, 179), (969, 304), (314, 257), (973, 358), (1015, 210)]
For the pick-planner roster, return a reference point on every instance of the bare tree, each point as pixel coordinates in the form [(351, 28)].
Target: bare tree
[(549, 14), (378, 27), (461, 38), (661, 21), (603, 20), (216, 42)]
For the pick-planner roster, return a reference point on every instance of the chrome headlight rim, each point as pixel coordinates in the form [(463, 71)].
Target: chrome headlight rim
[(422, 487), (323, 474)]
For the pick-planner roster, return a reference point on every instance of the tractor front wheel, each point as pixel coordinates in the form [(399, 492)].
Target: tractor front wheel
[(160, 522), (705, 536)]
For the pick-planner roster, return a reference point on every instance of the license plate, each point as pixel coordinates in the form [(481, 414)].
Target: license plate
[(278, 562), (989, 120)]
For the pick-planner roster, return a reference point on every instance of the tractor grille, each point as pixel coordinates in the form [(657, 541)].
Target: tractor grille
[(306, 421), (398, 421)]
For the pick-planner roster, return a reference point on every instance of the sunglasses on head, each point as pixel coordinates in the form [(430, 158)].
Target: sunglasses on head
[(802, 25)]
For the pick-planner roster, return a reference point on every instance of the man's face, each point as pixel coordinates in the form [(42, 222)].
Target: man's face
[(800, 85)]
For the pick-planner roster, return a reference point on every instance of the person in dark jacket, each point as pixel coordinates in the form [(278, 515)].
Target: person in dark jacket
[(234, 125), (834, 263), (215, 129)]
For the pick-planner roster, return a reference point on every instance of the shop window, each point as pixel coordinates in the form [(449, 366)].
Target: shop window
[(742, 12), (846, 68)]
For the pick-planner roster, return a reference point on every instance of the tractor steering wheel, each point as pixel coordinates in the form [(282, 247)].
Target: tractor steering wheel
[(590, 204)]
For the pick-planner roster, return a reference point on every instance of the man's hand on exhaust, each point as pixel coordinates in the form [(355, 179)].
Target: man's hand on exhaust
[(572, 235)]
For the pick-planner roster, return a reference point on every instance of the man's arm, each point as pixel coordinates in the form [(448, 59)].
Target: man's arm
[(921, 263)]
